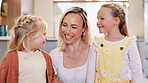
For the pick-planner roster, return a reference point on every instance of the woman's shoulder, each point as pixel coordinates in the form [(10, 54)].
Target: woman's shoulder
[(55, 52)]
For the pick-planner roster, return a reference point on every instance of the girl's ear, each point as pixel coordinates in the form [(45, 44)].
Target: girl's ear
[(117, 20)]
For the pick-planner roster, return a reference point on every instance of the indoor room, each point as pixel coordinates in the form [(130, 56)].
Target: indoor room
[(52, 10)]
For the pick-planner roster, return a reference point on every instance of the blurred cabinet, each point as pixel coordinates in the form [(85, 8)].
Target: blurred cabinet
[(146, 37), (27, 7), (3, 47), (146, 60), (14, 10)]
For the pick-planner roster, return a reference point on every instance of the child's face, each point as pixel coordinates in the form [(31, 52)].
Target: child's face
[(72, 28), (38, 42), (105, 21)]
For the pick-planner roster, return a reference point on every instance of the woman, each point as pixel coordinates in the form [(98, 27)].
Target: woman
[(70, 57)]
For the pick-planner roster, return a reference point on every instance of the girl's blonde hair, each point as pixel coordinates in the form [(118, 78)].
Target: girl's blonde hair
[(25, 25), (85, 35), (118, 11)]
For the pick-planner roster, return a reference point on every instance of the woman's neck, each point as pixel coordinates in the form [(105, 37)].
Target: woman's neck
[(79, 45)]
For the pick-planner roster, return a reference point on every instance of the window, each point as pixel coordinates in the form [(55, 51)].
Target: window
[(91, 7)]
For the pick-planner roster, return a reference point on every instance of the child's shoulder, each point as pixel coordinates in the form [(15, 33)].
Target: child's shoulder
[(44, 52), (98, 38), (46, 55), (131, 38), (10, 55)]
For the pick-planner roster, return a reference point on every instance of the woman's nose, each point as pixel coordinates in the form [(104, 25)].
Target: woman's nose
[(68, 30)]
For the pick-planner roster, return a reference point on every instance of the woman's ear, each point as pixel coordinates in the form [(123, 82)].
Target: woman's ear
[(84, 28), (83, 31)]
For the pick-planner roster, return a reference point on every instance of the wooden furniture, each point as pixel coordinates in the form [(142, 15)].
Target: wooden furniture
[(14, 11)]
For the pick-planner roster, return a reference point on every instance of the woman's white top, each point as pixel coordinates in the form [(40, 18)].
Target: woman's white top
[(72, 75), (32, 67), (131, 63)]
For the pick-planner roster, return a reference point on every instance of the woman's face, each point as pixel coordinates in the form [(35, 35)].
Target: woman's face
[(105, 21), (72, 28)]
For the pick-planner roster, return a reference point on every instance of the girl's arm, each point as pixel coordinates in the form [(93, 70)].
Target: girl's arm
[(54, 77), (135, 63), (91, 64)]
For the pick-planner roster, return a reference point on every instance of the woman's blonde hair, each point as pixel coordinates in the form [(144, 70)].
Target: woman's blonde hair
[(27, 24), (85, 35), (118, 11)]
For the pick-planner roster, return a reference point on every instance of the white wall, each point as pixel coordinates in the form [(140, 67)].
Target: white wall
[(146, 20), (0, 3), (44, 9), (26, 7), (136, 18)]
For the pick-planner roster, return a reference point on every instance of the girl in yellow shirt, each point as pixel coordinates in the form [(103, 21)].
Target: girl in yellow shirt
[(114, 58)]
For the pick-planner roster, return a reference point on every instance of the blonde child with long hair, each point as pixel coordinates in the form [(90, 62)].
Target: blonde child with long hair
[(25, 62), (114, 57)]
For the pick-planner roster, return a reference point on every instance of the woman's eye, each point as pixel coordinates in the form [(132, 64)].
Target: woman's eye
[(74, 27), (64, 25)]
